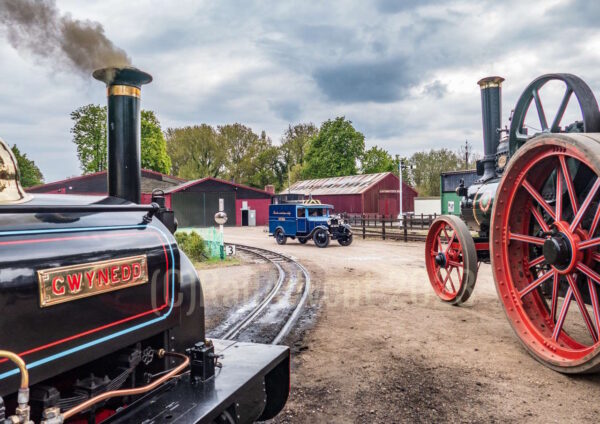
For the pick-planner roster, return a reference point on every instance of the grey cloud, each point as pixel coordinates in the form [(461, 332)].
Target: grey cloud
[(373, 81), (436, 89), (317, 61), (287, 110), (396, 6)]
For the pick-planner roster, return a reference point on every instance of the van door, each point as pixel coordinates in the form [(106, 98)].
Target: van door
[(301, 220)]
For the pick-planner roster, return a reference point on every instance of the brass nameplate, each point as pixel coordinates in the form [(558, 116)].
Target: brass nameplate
[(67, 283)]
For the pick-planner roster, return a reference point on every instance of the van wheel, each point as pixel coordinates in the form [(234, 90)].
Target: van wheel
[(280, 236), (321, 237), (302, 240), (346, 241)]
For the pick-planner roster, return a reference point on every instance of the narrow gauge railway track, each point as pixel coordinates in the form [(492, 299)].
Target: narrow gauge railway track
[(274, 316)]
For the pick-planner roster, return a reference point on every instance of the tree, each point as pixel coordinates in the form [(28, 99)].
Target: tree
[(429, 165), (377, 160), (29, 173), (467, 155), (241, 145), (196, 152), (153, 145), (295, 143), (407, 174), (334, 151), (89, 134)]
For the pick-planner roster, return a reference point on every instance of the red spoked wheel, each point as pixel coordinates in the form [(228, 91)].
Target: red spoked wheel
[(451, 259), (544, 249)]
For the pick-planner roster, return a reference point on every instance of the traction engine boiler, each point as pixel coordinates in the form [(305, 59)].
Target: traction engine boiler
[(103, 315), (533, 214)]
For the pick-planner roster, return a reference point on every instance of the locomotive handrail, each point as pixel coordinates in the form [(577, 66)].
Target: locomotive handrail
[(14, 209)]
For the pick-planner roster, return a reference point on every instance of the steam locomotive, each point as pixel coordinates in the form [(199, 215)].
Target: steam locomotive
[(533, 214), (103, 315)]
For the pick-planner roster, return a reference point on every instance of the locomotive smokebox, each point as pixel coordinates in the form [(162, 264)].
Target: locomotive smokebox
[(124, 93), (491, 109)]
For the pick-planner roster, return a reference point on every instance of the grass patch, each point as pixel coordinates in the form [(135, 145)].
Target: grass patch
[(217, 263)]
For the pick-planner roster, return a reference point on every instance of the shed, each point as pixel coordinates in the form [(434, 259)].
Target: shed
[(97, 184), (196, 202), (449, 182), (359, 194)]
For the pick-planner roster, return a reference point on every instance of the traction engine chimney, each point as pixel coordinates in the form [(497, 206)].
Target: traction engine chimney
[(124, 131), (491, 109)]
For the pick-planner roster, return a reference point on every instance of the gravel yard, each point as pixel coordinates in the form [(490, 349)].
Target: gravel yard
[(377, 345)]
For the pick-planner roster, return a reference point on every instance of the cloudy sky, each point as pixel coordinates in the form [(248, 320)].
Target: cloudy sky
[(404, 72)]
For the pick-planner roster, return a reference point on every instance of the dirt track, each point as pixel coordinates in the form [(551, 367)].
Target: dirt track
[(384, 349)]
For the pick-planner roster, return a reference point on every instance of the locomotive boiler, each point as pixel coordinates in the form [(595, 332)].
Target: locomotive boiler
[(103, 315), (533, 214)]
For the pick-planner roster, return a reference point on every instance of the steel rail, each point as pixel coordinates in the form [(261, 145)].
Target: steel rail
[(295, 315), (242, 324)]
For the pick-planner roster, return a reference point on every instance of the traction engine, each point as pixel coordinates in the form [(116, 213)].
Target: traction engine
[(533, 214)]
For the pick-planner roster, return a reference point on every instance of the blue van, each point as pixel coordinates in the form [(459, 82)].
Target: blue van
[(307, 221)]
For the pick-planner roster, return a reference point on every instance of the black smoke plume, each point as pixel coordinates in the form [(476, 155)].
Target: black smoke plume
[(37, 26)]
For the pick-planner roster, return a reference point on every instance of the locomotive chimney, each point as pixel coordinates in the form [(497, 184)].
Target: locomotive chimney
[(491, 109), (123, 91)]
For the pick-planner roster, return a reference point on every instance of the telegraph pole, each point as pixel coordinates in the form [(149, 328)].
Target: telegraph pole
[(466, 154), (400, 216)]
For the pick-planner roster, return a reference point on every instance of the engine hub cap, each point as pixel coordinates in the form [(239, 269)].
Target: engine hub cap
[(557, 251), (440, 260)]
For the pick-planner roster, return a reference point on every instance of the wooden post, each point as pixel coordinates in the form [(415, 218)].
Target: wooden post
[(383, 227), (422, 220), (405, 230), (363, 227)]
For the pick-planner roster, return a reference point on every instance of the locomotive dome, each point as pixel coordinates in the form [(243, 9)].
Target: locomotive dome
[(11, 190)]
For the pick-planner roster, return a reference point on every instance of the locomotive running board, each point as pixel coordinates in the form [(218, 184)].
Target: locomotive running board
[(253, 384)]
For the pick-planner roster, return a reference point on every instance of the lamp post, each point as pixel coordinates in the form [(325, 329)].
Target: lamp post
[(221, 219), (400, 191), (401, 166)]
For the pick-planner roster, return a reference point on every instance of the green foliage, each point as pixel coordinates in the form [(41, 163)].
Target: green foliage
[(377, 160), (29, 174), (428, 167), (334, 151), (241, 145), (267, 166), (153, 145), (192, 245), (295, 143), (89, 134), (250, 159), (196, 152)]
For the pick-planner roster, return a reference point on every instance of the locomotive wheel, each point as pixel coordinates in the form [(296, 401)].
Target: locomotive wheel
[(321, 237), (545, 249), (451, 259), (280, 236), (346, 241)]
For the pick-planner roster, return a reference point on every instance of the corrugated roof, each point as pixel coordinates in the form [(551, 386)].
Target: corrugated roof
[(352, 184)]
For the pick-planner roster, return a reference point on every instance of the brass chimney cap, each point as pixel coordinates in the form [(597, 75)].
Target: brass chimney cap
[(11, 190), (490, 82)]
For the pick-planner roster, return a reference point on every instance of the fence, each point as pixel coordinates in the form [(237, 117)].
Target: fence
[(388, 228), (213, 239)]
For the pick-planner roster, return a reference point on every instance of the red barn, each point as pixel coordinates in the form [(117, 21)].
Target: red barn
[(358, 194)]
